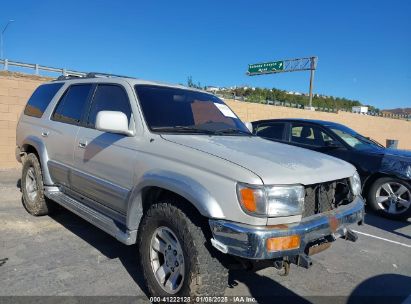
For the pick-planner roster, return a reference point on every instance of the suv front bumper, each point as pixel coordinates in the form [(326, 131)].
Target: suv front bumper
[(249, 242)]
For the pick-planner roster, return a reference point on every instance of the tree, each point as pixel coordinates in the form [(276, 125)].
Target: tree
[(191, 84)]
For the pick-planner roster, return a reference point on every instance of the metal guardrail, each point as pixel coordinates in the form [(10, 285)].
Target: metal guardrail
[(37, 68)]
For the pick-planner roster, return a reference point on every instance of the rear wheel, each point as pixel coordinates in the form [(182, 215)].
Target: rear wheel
[(174, 255), (32, 187), (391, 198)]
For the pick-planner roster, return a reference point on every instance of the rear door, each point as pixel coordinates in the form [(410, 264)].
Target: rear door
[(61, 131), (104, 161)]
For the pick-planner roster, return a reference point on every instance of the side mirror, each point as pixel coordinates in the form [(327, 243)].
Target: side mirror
[(249, 126), (113, 122)]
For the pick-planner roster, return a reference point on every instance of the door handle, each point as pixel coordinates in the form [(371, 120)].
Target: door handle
[(82, 144), (45, 133)]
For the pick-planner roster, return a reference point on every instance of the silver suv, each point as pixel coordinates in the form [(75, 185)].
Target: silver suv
[(174, 170)]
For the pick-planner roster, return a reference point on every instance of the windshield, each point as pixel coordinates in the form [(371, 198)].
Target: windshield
[(355, 140), (184, 111)]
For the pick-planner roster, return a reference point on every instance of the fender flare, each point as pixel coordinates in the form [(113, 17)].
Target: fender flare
[(38, 144), (180, 184)]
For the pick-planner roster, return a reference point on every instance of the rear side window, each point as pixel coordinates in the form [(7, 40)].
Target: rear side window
[(41, 98), (109, 98), (71, 106), (272, 131)]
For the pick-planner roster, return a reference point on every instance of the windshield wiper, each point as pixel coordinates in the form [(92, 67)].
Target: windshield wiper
[(368, 141), (234, 131), (376, 142), (187, 129)]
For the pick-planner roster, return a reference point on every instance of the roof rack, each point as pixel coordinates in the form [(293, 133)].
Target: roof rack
[(67, 77), (97, 74), (89, 75)]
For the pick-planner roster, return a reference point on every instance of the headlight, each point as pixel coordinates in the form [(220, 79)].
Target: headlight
[(355, 182), (271, 200)]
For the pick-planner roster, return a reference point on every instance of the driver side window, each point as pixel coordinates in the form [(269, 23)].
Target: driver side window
[(109, 97)]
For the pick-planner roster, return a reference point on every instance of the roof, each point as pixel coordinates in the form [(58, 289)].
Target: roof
[(313, 121), (101, 77)]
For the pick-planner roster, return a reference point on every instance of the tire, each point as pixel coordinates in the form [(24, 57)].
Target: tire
[(200, 273), (393, 201), (32, 187)]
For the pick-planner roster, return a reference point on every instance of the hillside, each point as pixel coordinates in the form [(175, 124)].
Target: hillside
[(399, 111), (262, 95)]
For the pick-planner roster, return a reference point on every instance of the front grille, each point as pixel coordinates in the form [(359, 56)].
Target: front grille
[(326, 196)]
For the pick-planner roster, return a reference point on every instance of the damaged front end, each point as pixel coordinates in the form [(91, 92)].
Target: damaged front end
[(282, 245)]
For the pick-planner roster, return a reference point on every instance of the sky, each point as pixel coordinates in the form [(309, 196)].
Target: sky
[(364, 47)]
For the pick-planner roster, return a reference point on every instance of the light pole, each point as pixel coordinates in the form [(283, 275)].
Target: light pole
[(1, 38)]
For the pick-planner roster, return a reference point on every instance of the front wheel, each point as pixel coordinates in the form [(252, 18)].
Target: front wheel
[(391, 198), (174, 256)]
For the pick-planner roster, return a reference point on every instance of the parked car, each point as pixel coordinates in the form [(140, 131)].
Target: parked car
[(175, 171), (385, 173)]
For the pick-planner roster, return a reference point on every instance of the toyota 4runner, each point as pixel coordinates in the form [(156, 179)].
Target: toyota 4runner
[(175, 171)]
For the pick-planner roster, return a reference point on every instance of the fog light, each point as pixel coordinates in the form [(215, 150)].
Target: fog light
[(283, 243)]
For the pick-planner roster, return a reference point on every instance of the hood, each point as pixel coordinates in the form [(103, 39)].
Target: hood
[(404, 154), (274, 163), (388, 152)]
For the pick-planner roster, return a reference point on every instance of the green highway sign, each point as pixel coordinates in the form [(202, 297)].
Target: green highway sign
[(266, 67)]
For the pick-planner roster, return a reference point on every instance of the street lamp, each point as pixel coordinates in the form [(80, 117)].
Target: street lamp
[(1, 38)]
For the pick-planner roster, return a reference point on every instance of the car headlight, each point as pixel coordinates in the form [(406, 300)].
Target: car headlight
[(282, 200), (355, 182), (408, 171)]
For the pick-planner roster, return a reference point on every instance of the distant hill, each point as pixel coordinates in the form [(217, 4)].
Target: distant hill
[(399, 111), (262, 95)]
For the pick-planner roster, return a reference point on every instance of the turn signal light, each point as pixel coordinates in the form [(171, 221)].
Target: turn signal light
[(283, 243), (248, 199)]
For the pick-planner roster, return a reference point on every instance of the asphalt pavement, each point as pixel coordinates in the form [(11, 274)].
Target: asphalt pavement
[(63, 255)]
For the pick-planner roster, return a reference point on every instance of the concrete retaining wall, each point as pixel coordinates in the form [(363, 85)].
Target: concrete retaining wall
[(15, 89)]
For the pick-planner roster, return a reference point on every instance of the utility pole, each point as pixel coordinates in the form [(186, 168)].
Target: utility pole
[(1, 37), (312, 69)]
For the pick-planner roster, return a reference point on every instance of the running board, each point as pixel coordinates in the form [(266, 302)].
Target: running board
[(96, 218)]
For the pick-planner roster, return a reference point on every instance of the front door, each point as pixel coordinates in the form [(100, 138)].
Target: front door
[(104, 162)]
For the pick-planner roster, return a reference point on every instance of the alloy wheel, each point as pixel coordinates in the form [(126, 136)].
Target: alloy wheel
[(31, 184), (167, 260), (393, 197)]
